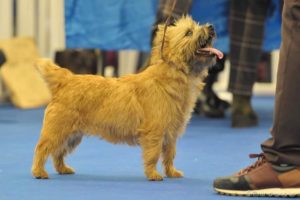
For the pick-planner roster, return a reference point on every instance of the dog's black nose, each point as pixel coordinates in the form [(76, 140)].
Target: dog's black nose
[(211, 30)]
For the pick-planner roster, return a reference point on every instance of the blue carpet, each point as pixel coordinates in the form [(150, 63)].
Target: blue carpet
[(210, 148)]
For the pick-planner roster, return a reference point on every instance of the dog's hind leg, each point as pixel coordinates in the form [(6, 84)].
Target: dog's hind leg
[(45, 146), (40, 157), (168, 155), (58, 155), (151, 144), (54, 134)]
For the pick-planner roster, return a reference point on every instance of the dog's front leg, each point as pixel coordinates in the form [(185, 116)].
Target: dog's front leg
[(151, 145), (168, 154)]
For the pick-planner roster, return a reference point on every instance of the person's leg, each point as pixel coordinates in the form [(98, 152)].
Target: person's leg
[(277, 172), (163, 12), (284, 146), (165, 9), (246, 31)]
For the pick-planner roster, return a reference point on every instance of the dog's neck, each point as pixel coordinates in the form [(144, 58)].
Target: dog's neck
[(180, 74)]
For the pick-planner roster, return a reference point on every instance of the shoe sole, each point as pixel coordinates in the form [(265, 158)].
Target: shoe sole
[(273, 192)]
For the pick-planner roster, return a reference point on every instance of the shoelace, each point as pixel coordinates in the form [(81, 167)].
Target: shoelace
[(261, 159)]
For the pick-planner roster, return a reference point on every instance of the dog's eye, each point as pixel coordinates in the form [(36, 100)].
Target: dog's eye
[(189, 33)]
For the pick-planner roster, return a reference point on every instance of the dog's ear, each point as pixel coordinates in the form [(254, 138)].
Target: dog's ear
[(171, 21)]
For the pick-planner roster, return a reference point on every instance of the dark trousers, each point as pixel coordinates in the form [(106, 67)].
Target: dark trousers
[(284, 146), (246, 32)]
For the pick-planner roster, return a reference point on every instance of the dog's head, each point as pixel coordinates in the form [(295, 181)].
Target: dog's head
[(186, 45)]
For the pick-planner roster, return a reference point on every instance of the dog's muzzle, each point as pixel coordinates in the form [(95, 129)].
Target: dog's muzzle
[(205, 48)]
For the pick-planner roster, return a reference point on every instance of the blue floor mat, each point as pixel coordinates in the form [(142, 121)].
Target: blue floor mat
[(209, 148)]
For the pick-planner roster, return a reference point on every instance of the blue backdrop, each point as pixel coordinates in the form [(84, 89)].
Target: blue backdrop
[(126, 24)]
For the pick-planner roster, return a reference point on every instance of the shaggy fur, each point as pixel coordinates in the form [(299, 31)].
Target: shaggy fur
[(150, 109)]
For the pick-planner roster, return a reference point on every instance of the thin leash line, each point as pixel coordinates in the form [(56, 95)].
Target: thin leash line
[(165, 29)]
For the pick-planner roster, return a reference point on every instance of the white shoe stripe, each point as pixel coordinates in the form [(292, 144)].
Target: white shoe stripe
[(282, 192)]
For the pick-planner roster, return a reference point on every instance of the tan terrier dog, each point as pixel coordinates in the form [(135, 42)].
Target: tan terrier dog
[(150, 109)]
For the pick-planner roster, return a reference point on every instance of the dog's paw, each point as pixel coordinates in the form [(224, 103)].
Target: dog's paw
[(154, 176), (174, 173), (40, 174), (66, 170)]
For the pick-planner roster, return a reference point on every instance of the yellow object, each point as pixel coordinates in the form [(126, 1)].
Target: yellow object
[(26, 87)]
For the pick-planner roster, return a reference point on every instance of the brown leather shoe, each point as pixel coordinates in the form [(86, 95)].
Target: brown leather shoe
[(261, 179)]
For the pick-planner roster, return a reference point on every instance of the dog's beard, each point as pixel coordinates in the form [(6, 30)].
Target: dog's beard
[(199, 64)]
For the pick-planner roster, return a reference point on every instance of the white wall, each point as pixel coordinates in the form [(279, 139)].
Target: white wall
[(6, 17), (41, 19)]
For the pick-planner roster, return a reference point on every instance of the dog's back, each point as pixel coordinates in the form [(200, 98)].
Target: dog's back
[(105, 107)]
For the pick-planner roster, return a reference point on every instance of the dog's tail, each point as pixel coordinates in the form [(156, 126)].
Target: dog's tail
[(53, 74)]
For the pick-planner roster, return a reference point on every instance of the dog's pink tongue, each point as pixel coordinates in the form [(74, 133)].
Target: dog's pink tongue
[(218, 53)]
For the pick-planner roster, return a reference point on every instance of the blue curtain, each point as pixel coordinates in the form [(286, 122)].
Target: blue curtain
[(126, 24)]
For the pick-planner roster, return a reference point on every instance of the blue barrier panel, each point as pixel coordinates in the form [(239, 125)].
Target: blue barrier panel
[(126, 24)]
